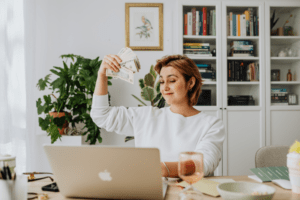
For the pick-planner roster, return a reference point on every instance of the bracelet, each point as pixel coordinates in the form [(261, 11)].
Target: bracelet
[(167, 169)]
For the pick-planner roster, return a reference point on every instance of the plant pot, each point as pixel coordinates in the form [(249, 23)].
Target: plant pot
[(60, 114)]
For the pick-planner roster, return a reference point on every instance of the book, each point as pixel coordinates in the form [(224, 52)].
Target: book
[(215, 23), (231, 23), (201, 22), (247, 23), (254, 24), (238, 25), (234, 24), (241, 55), (196, 44), (241, 42), (185, 24), (267, 174), (203, 65), (243, 25), (193, 21), (228, 25), (204, 10), (278, 90), (198, 55), (190, 31), (251, 20), (197, 22)]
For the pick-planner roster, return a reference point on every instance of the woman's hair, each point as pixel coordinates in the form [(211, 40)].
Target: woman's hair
[(187, 68)]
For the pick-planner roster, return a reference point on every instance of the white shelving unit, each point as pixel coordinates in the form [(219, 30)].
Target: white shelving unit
[(282, 122), (250, 127), (245, 125), (215, 42)]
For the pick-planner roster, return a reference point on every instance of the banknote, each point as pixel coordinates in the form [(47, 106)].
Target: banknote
[(130, 64), (123, 74)]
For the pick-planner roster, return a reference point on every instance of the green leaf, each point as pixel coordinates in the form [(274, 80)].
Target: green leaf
[(58, 83), (128, 138), (44, 123), (53, 132), (157, 87), (153, 72), (149, 80), (42, 84), (139, 100), (40, 108), (161, 103), (157, 98), (148, 93), (141, 82), (59, 121), (55, 72)]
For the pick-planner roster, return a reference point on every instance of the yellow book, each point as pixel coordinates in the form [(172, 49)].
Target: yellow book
[(239, 24)]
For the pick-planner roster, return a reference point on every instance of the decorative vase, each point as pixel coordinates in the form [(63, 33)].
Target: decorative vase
[(59, 115)]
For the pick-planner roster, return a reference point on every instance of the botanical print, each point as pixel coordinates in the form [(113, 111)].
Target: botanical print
[(144, 26), (145, 29)]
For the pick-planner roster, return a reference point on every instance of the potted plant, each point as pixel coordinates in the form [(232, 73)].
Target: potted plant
[(71, 98), (150, 91)]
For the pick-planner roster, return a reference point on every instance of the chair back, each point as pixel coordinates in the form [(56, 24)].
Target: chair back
[(271, 156)]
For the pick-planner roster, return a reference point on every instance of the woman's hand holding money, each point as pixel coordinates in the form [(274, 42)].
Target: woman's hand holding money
[(109, 62)]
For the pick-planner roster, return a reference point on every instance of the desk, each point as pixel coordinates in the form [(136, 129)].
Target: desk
[(280, 194)]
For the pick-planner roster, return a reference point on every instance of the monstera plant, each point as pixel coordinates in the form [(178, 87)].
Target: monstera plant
[(150, 91), (71, 98)]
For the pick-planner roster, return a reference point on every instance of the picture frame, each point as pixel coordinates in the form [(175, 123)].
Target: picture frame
[(144, 26)]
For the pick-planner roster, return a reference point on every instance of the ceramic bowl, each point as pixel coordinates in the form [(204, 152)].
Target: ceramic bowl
[(245, 191)]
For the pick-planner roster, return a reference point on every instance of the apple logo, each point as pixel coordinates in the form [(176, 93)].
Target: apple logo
[(105, 176)]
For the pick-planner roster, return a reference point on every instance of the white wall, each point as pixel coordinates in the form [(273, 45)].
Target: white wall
[(90, 28)]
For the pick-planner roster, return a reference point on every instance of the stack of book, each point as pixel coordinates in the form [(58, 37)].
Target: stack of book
[(199, 49), (242, 71), (242, 48), (279, 97), (246, 24), (200, 22), (207, 72), (241, 100)]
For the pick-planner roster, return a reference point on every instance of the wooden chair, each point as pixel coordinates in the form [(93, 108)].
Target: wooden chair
[(271, 156)]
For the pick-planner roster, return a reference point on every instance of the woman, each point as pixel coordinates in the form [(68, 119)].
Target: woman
[(173, 129)]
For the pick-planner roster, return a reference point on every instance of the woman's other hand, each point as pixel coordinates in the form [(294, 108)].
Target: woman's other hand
[(110, 62)]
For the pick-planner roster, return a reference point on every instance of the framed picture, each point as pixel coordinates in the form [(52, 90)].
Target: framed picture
[(144, 26)]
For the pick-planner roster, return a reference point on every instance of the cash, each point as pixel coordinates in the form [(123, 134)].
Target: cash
[(130, 64)]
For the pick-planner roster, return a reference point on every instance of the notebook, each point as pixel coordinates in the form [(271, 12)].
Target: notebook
[(107, 171)]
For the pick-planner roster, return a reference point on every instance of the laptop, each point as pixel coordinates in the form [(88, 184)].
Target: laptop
[(107, 172)]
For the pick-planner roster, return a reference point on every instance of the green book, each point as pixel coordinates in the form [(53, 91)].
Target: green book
[(267, 174)]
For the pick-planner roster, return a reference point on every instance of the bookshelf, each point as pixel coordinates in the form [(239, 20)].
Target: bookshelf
[(249, 127), (282, 119), (242, 123), (215, 85)]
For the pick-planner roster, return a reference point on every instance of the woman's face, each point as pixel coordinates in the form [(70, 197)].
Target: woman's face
[(173, 86)]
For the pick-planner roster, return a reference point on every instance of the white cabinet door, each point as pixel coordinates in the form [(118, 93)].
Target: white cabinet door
[(245, 135), (219, 114), (284, 127)]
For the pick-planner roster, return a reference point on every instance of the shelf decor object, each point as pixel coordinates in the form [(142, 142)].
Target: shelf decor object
[(144, 26)]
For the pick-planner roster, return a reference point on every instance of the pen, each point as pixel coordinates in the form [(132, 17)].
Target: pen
[(8, 171)]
